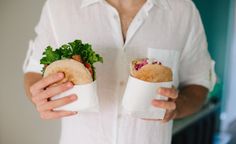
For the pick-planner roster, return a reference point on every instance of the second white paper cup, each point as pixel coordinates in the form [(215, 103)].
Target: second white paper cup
[(87, 99), (138, 97)]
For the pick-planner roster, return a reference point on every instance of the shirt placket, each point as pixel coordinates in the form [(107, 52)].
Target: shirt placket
[(137, 22), (119, 41), (134, 26), (115, 24)]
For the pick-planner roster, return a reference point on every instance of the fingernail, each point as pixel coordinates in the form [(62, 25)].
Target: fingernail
[(159, 90), (75, 112), (153, 102), (60, 75), (73, 97), (69, 84)]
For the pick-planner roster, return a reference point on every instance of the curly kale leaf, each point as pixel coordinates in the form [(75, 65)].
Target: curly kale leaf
[(50, 56)]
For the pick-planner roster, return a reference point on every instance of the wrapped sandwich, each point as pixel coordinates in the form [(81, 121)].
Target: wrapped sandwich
[(76, 60), (146, 76), (150, 70)]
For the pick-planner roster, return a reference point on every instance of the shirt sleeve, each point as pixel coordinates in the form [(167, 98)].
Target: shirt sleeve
[(196, 65), (44, 37)]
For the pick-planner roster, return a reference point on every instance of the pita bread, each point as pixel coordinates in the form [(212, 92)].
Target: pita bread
[(153, 73), (73, 70)]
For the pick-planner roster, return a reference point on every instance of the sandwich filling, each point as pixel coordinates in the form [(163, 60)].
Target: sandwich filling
[(139, 63)]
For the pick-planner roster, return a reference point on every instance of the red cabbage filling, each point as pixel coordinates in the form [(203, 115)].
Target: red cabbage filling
[(138, 65)]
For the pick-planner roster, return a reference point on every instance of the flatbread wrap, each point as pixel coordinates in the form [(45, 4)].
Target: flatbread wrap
[(150, 70)]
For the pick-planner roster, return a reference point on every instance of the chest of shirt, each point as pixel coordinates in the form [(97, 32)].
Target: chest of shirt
[(101, 27)]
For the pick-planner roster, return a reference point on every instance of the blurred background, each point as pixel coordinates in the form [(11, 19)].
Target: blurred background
[(20, 124)]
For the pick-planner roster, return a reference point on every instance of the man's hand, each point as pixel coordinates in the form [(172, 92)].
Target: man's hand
[(169, 105), (40, 95), (186, 101)]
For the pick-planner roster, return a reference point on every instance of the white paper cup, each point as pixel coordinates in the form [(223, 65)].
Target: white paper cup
[(138, 97), (87, 100)]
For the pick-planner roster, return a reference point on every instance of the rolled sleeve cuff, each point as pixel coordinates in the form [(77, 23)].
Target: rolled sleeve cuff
[(206, 79), (32, 66), (30, 63)]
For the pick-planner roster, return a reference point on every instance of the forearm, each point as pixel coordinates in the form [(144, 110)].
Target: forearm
[(29, 79), (190, 100)]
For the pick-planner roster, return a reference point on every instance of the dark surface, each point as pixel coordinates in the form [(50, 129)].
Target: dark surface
[(200, 132)]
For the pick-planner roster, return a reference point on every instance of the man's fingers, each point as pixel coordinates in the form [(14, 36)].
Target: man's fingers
[(38, 101), (168, 92), (56, 114), (168, 105), (52, 91), (169, 116), (56, 103), (42, 84)]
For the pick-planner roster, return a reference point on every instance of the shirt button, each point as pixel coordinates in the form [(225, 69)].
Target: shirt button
[(122, 83)]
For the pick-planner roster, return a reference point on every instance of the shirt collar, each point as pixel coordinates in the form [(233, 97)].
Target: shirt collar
[(86, 3), (162, 3)]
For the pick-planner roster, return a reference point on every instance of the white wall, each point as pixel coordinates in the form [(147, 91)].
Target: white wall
[(19, 122)]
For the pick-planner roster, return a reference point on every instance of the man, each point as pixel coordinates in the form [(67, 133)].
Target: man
[(121, 30)]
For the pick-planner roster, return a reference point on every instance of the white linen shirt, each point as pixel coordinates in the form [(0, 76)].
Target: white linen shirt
[(159, 26)]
